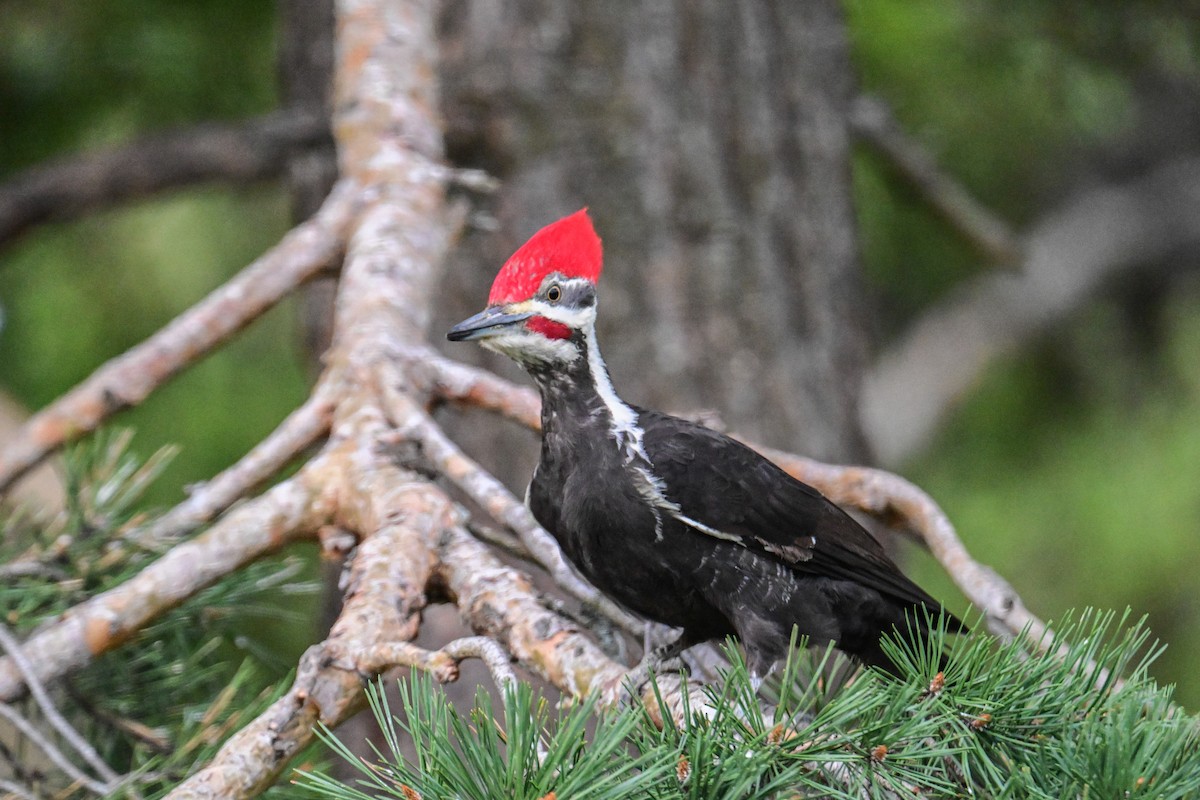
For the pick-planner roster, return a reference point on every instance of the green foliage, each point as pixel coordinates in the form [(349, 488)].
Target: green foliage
[(80, 552), (1071, 468), (526, 753), (74, 74), (994, 722), (1097, 497), (164, 702)]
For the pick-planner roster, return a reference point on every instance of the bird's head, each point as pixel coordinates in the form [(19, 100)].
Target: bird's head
[(542, 305)]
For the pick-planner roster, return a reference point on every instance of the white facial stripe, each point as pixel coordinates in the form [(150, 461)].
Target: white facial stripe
[(574, 318)]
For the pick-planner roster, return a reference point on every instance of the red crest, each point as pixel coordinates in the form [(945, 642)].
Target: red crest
[(569, 246)]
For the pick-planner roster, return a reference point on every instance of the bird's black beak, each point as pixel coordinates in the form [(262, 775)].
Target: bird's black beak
[(486, 323)]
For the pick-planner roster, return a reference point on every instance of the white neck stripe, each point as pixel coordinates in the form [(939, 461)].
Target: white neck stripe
[(624, 421)]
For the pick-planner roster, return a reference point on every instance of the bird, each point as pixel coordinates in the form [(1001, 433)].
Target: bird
[(674, 521)]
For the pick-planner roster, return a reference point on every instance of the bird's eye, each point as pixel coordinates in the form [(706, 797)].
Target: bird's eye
[(554, 294)]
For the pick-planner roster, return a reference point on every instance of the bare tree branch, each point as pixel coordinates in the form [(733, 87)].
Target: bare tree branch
[(239, 152), (412, 423), (130, 378), (1068, 256), (387, 128), (12, 648), (250, 531), (501, 603), (486, 650), (443, 663), (299, 430), (402, 517), (903, 505), (43, 743), (874, 122), (474, 387)]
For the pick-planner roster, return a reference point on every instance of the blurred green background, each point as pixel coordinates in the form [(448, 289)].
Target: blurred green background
[(1073, 468)]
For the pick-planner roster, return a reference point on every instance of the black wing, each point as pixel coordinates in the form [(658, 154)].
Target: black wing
[(732, 490)]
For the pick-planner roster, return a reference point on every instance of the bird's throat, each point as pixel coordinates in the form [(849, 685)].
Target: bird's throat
[(580, 393)]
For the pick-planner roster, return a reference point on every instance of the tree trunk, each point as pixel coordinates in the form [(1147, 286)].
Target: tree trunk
[(710, 141), (305, 67)]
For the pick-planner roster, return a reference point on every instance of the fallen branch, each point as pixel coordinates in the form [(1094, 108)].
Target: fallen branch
[(129, 379), (237, 152)]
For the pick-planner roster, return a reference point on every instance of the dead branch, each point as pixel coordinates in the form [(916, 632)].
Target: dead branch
[(389, 140), (130, 378), (872, 120), (899, 503), (414, 424), (502, 603), (443, 663), (383, 599), (470, 386), (239, 153), (10, 645), (489, 651), (299, 430), (1067, 257), (95, 626)]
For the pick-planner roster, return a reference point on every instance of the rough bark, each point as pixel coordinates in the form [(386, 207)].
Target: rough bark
[(710, 141), (305, 67)]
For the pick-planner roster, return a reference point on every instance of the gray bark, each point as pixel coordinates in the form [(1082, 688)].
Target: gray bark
[(305, 66), (710, 141)]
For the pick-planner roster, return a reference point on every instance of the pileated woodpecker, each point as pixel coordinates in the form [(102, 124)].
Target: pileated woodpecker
[(675, 521)]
